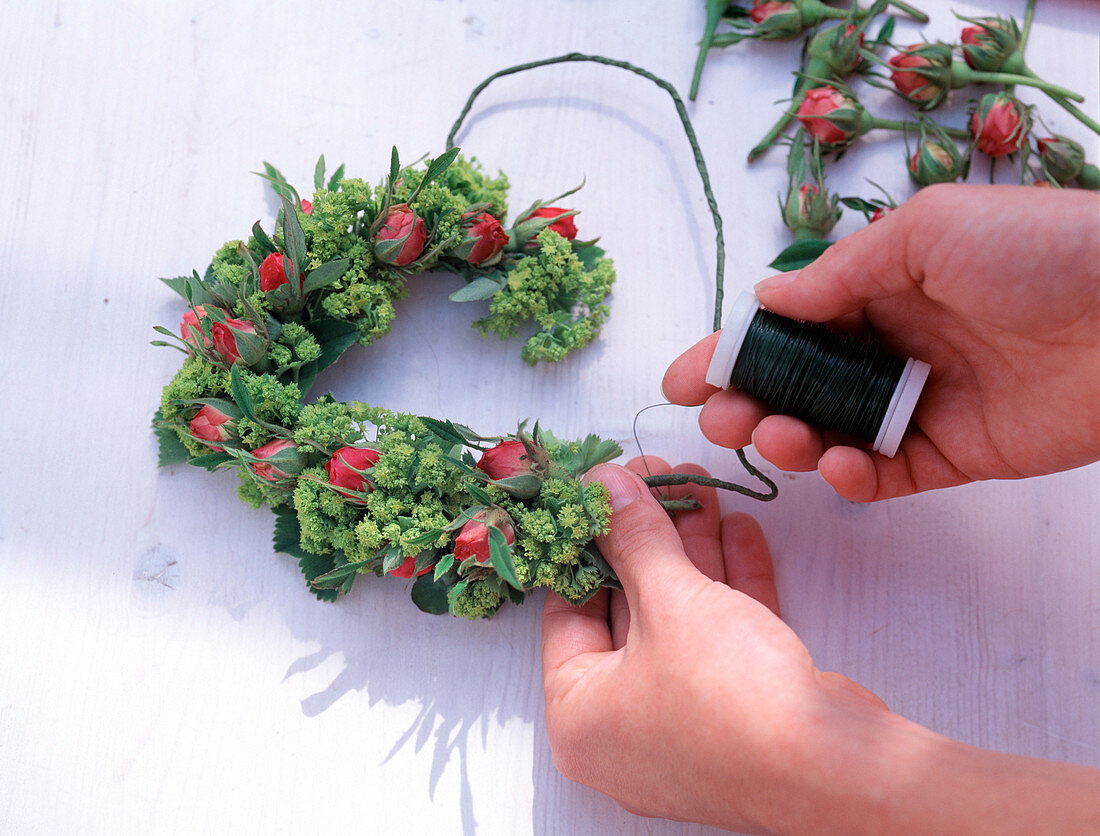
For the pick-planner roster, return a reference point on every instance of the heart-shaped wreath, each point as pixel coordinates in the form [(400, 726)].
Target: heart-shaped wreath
[(358, 489)]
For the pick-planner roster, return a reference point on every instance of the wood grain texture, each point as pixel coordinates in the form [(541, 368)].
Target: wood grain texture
[(164, 671)]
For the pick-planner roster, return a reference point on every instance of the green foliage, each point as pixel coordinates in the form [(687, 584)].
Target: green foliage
[(553, 290)]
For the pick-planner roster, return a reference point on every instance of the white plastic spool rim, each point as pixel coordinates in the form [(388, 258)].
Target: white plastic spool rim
[(902, 403)]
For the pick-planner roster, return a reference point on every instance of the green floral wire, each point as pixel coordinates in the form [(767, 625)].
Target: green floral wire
[(720, 246)]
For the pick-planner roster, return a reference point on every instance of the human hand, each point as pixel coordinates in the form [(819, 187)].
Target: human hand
[(686, 696), (998, 288)]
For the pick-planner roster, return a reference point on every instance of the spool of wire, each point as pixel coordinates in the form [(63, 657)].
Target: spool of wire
[(833, 381)]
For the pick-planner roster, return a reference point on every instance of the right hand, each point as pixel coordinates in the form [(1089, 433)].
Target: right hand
[(998, 288)]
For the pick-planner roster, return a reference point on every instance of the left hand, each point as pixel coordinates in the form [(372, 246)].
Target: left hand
[(686, 696)]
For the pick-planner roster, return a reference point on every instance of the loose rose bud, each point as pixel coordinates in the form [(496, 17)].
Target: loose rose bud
[(344, 468), (810, 209), (401, 239), (777, 20), (922, 73), (881, 212), (507, 459), (273, 271), (838, 48), (406, 569), (937, 160), (214, 426), (473, 539), (1000, 124), (990, 43), (280, 460), (484, 241), (831, 117), (1062, 158), (307, 207)]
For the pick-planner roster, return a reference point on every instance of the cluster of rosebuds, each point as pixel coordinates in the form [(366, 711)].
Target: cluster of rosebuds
[(832, 118)]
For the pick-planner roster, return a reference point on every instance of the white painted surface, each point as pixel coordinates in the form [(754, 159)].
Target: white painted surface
[(163, 671)]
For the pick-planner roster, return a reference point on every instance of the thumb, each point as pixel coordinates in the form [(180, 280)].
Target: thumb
[(867, 265), (642, 545)]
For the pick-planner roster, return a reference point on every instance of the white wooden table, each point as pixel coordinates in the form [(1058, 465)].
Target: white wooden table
[(162, 670)]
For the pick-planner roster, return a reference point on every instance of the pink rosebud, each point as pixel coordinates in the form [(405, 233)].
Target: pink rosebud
[(509, 458), (970, 37), (1000, 124), (224, 334), (285, 466), (830, 116), (273, 272), (343, 469), (473, 539), (566, 228), (1043, 184), (406, 569), (401, 239), (1063, 159), (485, 240), (212, 426), (990, 43), (307, 207), (930, 86), (763, 9)]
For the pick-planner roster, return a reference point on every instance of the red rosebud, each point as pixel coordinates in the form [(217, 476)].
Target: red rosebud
[(830, 116), (927, 88), (286, 467), (1043, 184), (224, 334), (485, 240), (566, 228), (191, 330), (273, 272), (763, 9), (307, 207), (473, 539), (1062, 158), (990, 43), (406, 569), (401, 239), (509, 458), (1000, 124), (212, 426), (881, 212), (343, 469)]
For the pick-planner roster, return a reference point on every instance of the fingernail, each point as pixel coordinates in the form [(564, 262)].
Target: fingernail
[(622, 486), (775, 282)]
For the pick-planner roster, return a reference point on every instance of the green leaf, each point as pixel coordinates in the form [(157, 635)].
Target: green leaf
[(266, 244), (588, 254), (590, 452), (884, 33), (521, 487), (395, 165), (430, 593), (444, 564), (278, 182), (184, 285), (859, 204), (287, 540), (336, 578), (479, 494), (445, 431), (211, 460), (500, 555), (480, 288), (799, 254), (438, 166), (336, 179), (319, 173), (294, 239), (334, 336), (240, 394), (392, 559), (324, 275), (170, 449)]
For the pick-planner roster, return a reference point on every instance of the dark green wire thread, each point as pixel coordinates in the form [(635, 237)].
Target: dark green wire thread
[(681, 110), (720, 245), (834, 381)]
